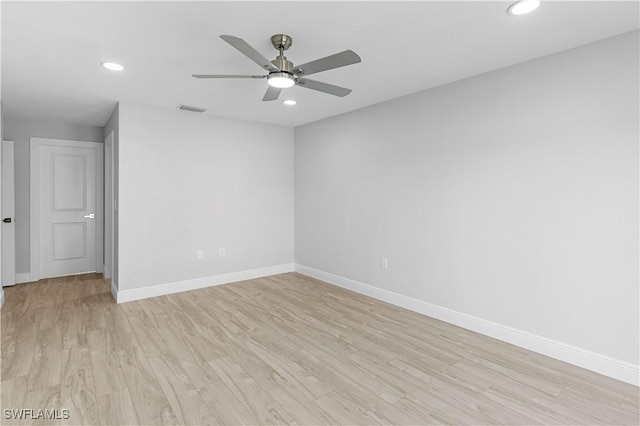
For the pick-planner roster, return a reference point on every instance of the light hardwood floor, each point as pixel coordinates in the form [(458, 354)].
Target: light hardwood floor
[(286, 349)]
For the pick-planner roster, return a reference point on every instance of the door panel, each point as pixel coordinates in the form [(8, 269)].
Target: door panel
[(68, 210), (69, 178), (69, 241), (8, 212)]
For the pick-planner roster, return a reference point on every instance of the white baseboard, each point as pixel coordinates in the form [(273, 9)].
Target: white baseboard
[(24, 277), (179, 286), (593, 361)]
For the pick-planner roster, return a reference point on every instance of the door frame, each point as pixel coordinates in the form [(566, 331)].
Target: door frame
[(34, 198), (108, 205)]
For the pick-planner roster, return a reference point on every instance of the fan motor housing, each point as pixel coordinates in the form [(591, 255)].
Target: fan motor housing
[(282, 63)]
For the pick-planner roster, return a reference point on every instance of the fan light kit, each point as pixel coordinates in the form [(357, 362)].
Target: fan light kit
[(523, 7), (282, 74), (289, 102), (112, 66), (281, 80)]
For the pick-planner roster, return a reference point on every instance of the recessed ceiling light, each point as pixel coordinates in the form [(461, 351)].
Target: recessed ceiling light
[(112, 66), (523, 6), (289, 102)]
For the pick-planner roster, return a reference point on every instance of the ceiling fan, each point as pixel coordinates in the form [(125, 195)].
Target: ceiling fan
[(282, 73)]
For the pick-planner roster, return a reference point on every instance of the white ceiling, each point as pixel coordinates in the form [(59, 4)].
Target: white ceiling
[(51, 51)]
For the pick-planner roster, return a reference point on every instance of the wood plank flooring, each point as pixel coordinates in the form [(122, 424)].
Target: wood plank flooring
[(286, 349)]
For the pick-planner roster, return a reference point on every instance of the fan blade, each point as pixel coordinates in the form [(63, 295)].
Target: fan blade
[(342, 59), (272, 94), (249, 52), (226, 76), (323, 87)]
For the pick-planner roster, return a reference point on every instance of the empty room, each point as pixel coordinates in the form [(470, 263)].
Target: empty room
[(320, 212)]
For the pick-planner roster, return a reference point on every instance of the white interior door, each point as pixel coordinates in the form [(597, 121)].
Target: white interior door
[(70, 204), (8, 216)]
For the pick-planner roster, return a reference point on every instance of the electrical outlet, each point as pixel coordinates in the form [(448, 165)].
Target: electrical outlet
[(199, 254), (384, 263), (223, 252)]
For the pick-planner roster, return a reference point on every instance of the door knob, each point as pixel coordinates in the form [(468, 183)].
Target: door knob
[(7, 220), (89, 216)]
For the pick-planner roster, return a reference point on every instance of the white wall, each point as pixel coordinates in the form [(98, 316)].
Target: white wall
[(511, 196), (192, 182), (1, 139), (20, 130)]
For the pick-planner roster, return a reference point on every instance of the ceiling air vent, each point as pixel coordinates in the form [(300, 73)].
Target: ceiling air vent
[(191, 108)]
